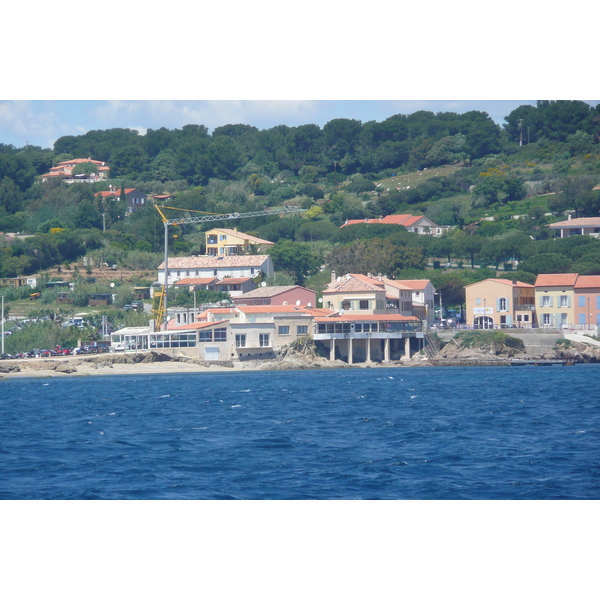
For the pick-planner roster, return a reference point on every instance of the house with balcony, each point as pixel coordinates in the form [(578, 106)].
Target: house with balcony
[(226, 242), (555, 299), (581, 226), (498, 303), (236, 286), (221, 267)]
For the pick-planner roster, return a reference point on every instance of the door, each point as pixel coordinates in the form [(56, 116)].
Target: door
[(211, 354)]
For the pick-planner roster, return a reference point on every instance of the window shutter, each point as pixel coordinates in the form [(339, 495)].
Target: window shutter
[(509, 320), (497, 304), (508, 304), (568, 301), (551, 301)]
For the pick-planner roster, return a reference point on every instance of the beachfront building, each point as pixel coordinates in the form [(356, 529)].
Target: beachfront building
[(555, 299), (220, 267), (278, 294), (496, 303), (369, 337), (226, 242), (587, 303)]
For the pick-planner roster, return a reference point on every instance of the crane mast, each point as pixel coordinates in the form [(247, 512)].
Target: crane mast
[(161, 312)]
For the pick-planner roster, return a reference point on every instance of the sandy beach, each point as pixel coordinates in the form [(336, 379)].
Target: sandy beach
[(153, 363)]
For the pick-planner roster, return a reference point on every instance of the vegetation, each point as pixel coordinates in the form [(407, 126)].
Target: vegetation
[(497, 188)]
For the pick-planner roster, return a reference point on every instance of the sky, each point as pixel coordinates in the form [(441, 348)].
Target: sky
[(263, 64), (42, 122)]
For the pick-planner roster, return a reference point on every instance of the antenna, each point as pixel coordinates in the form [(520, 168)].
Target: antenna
[(309, 305), (297, 302)]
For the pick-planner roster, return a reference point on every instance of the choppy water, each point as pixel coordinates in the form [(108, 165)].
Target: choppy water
[(415, 433)]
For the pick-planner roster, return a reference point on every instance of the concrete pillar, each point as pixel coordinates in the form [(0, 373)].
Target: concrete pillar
[(368, 342), (350, 351), (332, 349), (407, 347), (386, 350)]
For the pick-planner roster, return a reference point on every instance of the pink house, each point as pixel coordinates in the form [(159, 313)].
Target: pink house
[(587, 301)]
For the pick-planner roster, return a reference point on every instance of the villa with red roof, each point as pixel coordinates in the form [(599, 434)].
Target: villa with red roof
[(63, 170), (415, 224)]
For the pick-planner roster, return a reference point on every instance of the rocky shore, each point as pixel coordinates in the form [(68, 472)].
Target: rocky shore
[(457, 351)]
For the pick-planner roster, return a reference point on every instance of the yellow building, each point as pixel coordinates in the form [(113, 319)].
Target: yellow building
[(225, 242), (496, 303), (555, 299)]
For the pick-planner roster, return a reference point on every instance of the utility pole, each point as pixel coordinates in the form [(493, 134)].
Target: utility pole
[(162, 311), (2, 324), (520, 132)]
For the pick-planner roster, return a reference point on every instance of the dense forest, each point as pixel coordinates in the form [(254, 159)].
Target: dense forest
[(497, 187)]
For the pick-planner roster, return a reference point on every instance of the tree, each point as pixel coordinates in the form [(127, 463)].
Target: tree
[(85, 168), (576, 192), (296, 258), (87, 216)]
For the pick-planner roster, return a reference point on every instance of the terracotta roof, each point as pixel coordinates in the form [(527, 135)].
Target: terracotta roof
[(269, 291), (511, 282), (353, 283), (411, 284), (197, 325), (405, 220), (216, 311), (244, 236), (284, 308), (582, 222), (588, 281), (556, 279), (234, 280), (213, 262), (338, 318), (196, 281)]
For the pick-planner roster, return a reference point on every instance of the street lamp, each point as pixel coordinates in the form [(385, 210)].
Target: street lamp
[(484, 315)]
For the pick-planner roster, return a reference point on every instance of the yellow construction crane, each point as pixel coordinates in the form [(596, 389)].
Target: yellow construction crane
[(161, 311)]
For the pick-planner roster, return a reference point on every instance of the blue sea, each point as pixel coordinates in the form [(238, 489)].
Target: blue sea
[(528, 433)]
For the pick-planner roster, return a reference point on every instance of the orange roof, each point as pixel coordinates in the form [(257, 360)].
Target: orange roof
[(588, 281), (556, 280), (581, 222), (197, 325), (232, 280), (284, 308), (511, 282), (196, 281), (411, 284)]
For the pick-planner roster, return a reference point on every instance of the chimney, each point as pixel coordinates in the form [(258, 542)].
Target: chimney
[(333, 277), (569, 217), (379, 276)]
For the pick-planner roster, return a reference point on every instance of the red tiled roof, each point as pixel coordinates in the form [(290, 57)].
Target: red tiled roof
[(582, 222), (588, 281), (197, 325), (556, 279), (196, 281), (234, 280)]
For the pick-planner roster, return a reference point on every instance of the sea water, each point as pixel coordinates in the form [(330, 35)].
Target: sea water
[(379, 433)]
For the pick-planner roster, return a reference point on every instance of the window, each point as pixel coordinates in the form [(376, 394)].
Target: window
[(363, 304), (581, 300), (563, 301), (502, 304), (546, 301), (221, 334), (240, 340), (477, 301), (263, 340), (546, 318), (284, 330), (302, 330), (206, 336), (345, 304)]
